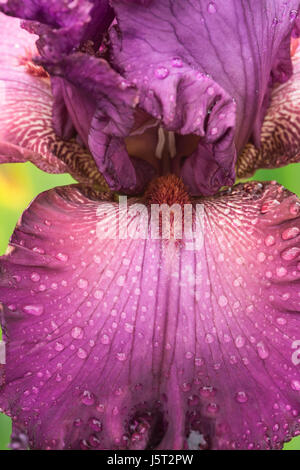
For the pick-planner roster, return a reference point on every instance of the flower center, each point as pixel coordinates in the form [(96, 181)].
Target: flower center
[(167, 189), (162, 148)]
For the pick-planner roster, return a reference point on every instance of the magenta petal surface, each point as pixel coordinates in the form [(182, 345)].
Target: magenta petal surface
[(62, 25), (280, 136), (26, 100), (206, 68), (145, 343)]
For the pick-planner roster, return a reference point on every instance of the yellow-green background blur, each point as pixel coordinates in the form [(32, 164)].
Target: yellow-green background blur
[(20, 183)]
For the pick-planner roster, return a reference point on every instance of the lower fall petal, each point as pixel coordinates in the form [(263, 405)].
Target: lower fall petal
[(145, 343)]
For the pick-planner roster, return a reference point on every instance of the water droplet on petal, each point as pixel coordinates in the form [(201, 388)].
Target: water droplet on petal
[(35, 277), (177, 62), (212, 408), (128, 327), (269, 240), (241, 397), (211, 8), (35, 310), (209, 338), (295, 384), (87, 398), (262, 350), (290, 253), (269, 205), (261, 257), (121, 357), (294, 208), (293, 15), (290, 233), (98, 294), (222, 301), (281, 271), (77, 332), (161, 73), (62, 257), (95, 424), (281, 321), (121, 281), (82, 283), (59, 346), (239, 341), (81, 353), (105, 339), (207, 391)]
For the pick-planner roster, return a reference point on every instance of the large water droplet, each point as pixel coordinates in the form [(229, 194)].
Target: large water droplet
[(290, 253), (95, 424), (87, 398), (262, 350), (62, 257), (35, 310), (211, 8), (207, 391), (290, 233), (177, 62), (161, 73), (293, 14), (59, 347), (281, 271), (269, 240), (121, 357), (35, 277), (212, 408), (295, 384), (98, 294), (77, 332), (239, 341), (81, 353)]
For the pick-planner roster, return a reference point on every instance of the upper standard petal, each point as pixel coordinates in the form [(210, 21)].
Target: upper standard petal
[(62, 26), (205, 68)]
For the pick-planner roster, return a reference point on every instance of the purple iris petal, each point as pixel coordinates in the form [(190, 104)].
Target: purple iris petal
[(280, 136), (26, 101), (106, 100), (139, 343), (169, 48), (62, 26)]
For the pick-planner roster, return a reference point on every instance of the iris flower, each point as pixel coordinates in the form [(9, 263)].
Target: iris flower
[(143, 343)]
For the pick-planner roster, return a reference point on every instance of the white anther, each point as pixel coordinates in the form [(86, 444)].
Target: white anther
[(160, 143)]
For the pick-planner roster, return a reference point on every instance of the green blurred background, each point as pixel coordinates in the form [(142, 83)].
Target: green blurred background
[(20, 183)]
